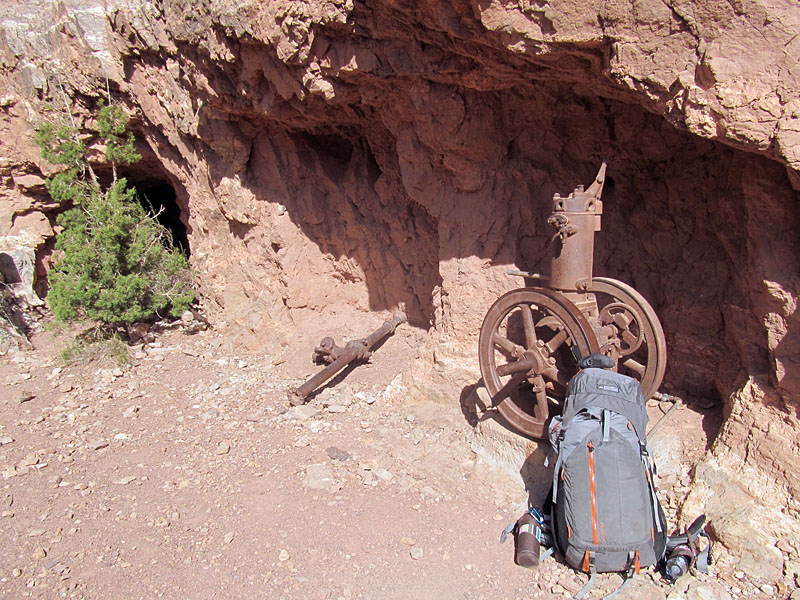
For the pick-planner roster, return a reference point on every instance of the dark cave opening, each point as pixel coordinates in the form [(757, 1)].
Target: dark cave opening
[(159, 197)]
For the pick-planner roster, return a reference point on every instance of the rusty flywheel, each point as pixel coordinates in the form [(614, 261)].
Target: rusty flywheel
[(532, 338), (529, 345)]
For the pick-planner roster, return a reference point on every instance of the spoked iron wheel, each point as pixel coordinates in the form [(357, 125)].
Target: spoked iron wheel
[(529, 345), (636, 338)]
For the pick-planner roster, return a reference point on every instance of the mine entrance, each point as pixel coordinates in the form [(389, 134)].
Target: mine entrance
[(159, 197)]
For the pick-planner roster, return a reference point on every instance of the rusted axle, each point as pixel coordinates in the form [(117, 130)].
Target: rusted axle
[(338, 358)]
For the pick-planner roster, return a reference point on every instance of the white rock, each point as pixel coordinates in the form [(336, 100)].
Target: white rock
[(319, 477), (383, 474), (302, 412)]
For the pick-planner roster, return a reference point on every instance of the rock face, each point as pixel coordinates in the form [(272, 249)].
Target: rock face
[(381, 154)]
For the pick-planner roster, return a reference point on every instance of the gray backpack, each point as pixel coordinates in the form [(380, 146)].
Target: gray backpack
[(605, 513)]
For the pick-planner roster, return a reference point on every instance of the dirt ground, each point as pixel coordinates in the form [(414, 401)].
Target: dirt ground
[(187, 475)]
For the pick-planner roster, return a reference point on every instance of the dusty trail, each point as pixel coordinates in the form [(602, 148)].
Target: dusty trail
[(188, 476)]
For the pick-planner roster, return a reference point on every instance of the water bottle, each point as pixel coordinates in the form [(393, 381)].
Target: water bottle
[(528, 536), (678, 563)]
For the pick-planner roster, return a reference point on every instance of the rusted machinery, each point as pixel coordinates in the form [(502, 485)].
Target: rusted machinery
[(532, 337), (338, 358)]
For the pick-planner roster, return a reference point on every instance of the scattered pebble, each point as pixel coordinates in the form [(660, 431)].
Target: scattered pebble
[(319, 477), (28, 461), (210, 414), (337, 454), (383, 474), (302, 412), (175, 442)]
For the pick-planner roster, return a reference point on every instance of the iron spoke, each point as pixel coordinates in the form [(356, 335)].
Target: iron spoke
[(556, 376), (556, 341), (527, 322), (636, 366), (520, 366), (510, 347), (629, 338), (504, 393)]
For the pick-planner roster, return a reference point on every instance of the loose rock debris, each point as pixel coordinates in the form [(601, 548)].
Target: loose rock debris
[(158, 482)]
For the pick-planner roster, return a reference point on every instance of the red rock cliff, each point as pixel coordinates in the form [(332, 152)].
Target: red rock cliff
[(389, 153)]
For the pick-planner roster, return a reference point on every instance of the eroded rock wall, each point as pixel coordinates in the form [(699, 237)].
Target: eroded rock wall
[(404, 154)]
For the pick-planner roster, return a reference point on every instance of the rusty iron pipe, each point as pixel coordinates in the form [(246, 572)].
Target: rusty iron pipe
[(353, 350), (676, 403)]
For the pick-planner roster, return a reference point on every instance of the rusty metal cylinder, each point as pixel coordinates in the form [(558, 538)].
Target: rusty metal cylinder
[(354, 350), (575, 218)]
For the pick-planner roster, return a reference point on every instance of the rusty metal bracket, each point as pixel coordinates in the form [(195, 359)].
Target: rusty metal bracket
[(338, 357)]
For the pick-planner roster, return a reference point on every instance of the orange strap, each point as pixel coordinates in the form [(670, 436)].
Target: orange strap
[(585, 566), (592, 492)]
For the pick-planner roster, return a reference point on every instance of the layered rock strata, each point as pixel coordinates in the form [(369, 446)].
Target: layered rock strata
[(375, 155)]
